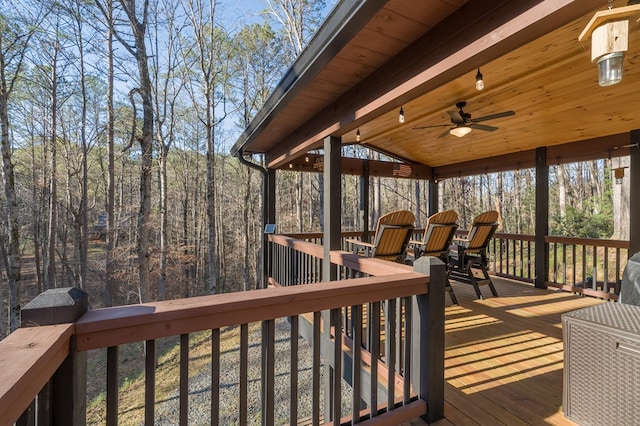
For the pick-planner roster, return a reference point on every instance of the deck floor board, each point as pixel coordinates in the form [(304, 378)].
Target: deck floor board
[(504, 355)]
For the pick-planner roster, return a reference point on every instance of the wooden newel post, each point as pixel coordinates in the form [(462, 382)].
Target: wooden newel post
[(63, 400), (427, 352)]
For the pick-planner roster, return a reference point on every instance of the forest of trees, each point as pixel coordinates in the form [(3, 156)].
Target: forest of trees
[(116, 120)]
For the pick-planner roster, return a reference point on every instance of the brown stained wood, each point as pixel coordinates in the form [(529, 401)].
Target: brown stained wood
[(28, 358), (116, 326)]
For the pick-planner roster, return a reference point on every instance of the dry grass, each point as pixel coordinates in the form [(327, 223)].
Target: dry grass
[(132, 376)]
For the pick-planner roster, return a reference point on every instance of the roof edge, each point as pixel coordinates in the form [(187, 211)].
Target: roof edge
[(346, 19)]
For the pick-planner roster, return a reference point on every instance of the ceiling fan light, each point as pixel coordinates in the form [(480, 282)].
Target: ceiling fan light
[(460, 131)]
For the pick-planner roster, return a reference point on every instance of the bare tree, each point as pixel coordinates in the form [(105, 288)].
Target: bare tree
[(137, 16), (298, 20), (207, 57), (15, 35)]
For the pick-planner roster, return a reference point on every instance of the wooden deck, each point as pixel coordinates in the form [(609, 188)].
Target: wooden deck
[(503, 356)]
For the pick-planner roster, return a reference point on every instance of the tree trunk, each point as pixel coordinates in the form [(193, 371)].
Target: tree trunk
[(14, 261), (139, 51), (109, 288), (562, 191), (50, 274)]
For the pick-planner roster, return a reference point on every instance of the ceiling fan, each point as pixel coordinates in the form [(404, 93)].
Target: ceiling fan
[(463, 123)]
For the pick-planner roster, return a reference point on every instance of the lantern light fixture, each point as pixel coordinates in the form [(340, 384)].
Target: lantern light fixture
[(401, 116), (358, 135), (618, 174), (609, 32)]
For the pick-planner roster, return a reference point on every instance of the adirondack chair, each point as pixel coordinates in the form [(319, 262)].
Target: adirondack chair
[(392, 235), (438, 234), (468, 257)]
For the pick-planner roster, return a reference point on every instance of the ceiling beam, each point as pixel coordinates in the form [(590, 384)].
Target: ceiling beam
[(586, 150), (475, 34)]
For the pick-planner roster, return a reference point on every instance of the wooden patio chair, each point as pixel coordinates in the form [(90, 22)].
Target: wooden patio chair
[(392, 235), (436, 241), (468, 255)]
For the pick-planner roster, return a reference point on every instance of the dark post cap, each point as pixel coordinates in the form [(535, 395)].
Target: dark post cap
[(55, 306)]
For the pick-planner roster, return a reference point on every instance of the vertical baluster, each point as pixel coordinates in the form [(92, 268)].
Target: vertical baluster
[(617, 283), (184, 379), (573, 263), (564, 263), (555, 262), (356, 334), (374, 344), (268, 372), (594, 251), (112, 386), (399, 348), (215, 377), (528, 259), (390, 344), (315, 404), (336, 384), (293, 390), (605, 281), (520, 270), (406, 373), (584, 265), (244, 352), (150, 382)]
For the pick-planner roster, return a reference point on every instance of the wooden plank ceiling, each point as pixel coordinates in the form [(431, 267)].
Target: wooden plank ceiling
[(541, 72)]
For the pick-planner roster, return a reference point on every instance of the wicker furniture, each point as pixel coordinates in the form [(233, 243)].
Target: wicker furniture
[(602, 365)]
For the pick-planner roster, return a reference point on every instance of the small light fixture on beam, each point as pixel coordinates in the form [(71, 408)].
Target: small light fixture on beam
[(306, 159), (401, 116), (479, 81), (460, 131), (358, 135), (609, 32), (618, 174)]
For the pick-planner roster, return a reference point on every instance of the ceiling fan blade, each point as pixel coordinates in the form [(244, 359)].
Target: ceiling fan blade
[(483, 127), (456, 117), (430, 127), (493, 116), (445, 133)]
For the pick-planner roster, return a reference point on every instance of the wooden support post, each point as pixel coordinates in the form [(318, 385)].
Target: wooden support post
[(67, 390), (427, 334), (542, 217), (434, 195), (364, 199), (332, 240), (634, 195), (269, 217)]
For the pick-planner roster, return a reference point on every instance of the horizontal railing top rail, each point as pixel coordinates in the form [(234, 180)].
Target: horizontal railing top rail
[(361, 264), (116, 326), (600, 242), (28, 358)]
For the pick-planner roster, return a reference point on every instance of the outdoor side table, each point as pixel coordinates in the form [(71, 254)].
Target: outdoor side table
[(602, 365)]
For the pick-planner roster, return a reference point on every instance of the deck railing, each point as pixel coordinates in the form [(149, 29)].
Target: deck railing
[(397, 376), (589, 266)]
